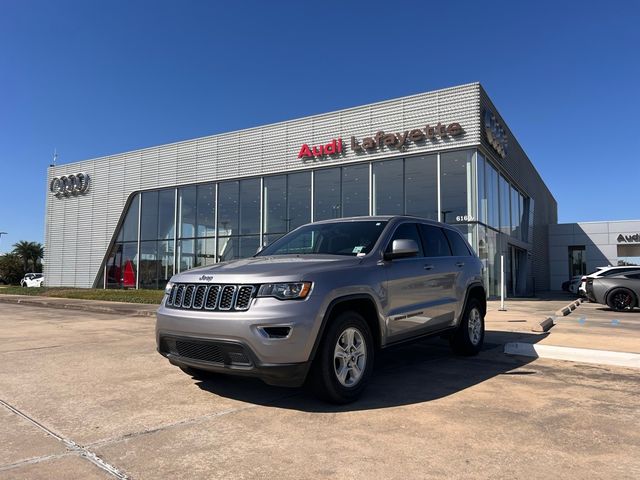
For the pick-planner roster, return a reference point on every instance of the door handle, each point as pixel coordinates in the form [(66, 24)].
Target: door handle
[(460, 264), (428, 267)]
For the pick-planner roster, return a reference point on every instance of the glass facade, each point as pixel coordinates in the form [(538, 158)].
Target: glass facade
[(176, 229)]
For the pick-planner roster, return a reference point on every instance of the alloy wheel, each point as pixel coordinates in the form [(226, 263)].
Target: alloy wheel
[(350, 357), (475, 326)]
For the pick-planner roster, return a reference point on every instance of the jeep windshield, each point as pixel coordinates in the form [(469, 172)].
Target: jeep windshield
[(355, 238)]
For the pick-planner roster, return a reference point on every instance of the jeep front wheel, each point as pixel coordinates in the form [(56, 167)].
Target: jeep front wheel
[(344, 361)]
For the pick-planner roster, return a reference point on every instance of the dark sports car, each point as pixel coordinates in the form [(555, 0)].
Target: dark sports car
[(619, 292)]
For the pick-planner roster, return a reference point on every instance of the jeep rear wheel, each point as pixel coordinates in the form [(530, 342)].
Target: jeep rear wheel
[(469, 336), (344, 360)]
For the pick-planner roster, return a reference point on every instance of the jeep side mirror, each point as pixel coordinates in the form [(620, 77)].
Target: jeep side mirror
[(402, 248)]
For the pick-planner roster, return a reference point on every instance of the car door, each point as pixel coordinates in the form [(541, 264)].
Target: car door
[(444, 273), (412, 304)]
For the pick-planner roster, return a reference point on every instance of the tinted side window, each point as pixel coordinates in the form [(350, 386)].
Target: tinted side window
[(407, 231), (458, 245), (434, 242), (616, 271), (633, 275)]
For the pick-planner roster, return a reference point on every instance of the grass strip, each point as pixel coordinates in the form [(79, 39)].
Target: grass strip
[(129, 296)]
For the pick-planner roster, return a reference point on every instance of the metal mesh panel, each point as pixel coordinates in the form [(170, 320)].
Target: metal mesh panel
[(244, 297), (179, 296), (212, 297), (188, 296), (206, 352), (226, 297), (198, 296)]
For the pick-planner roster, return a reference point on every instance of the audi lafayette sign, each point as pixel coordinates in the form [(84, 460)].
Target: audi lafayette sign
[(68, 185), (381, 139)]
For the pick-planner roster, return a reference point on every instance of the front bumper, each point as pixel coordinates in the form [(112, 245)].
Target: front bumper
[(237, 343), (234, 358)]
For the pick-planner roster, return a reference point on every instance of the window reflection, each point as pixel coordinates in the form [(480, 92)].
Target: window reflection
[(228, 193), (421, 186), (355, 190), (326, 194), (187, 211), (299, 199), (205, 210), (250, 206), (388, 195), (456, 199), (275, 204)]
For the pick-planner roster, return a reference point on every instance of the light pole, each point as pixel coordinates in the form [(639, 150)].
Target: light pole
[(2, 233)]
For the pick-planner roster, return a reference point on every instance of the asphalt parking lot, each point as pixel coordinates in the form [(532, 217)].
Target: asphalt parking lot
[(85, 395)]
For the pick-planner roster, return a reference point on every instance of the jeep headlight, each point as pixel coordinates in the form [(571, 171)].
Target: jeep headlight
[(167, 289), (285, 291)]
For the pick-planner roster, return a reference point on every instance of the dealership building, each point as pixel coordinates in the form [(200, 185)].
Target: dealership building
[(133, 219)]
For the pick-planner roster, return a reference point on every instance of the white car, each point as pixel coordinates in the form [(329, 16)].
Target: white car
[(602, 272), (32, 280), (574, 284)]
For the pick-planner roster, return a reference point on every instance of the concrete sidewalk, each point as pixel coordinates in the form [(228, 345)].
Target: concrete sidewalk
[(589, 326), (577, 331), (94, 306)]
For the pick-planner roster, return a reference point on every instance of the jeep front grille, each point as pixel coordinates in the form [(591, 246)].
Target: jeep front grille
[(191, 296)]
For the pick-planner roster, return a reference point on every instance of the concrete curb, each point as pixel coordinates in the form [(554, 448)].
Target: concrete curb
[(129, 310), (546, 324), (580, 355), (563, 312)]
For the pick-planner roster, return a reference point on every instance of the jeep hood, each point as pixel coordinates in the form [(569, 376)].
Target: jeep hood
[(277, 268)]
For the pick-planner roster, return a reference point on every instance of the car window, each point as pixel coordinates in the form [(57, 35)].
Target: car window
[(434, 242), (339, 238), (407, 231), (615, 271), (458, 245), (633, 275)]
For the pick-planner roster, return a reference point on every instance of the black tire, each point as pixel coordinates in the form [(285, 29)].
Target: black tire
[(323, 379), (464, 341), (621, 299)]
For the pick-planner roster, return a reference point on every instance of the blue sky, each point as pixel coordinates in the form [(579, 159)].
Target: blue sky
[(93, 78)]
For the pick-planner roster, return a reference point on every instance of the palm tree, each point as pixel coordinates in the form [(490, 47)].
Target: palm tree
[(23, 250), (37, 254), (33, 251)]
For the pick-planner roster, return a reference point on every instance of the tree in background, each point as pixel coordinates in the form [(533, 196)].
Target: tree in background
[(29, 252), (11, 268)]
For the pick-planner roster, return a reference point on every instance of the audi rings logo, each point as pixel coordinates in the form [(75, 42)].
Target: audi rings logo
[(68, 185), (495, 133)]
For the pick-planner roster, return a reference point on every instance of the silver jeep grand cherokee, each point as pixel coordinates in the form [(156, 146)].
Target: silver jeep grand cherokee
[(320, 301)]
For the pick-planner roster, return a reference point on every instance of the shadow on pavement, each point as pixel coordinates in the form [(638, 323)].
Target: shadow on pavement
[(623, 312), (413, 373)]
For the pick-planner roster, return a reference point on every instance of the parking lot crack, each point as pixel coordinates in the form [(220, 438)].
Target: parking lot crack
[(34, 460), (69, 444)]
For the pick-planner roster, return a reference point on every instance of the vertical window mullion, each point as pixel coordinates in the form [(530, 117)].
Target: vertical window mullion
[(371, 190), (438, 188), (215, 224), (175, 231), (312, 193), (261, 208), (138, 243)]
